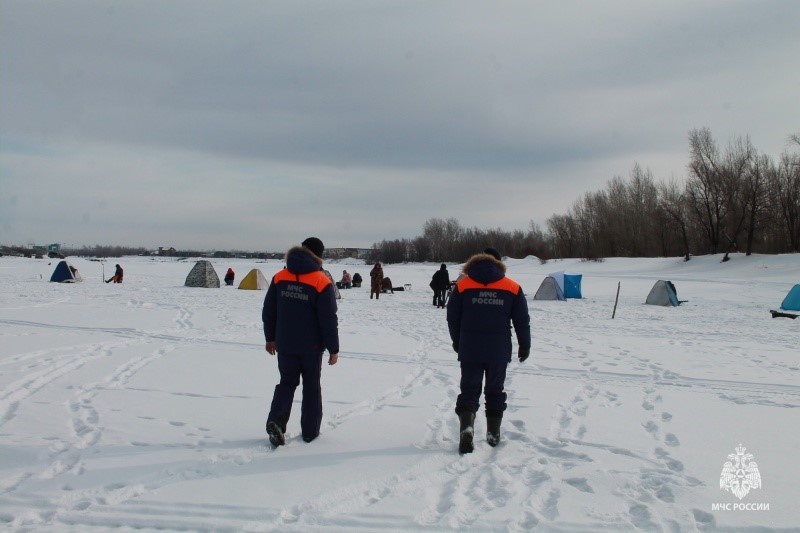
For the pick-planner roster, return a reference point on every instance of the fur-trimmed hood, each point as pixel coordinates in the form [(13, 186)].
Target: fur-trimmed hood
[(301, 260), (484, 268)]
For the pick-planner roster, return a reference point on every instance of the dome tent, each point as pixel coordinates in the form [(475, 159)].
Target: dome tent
[(663, 293), (65, 273), (254, 281), (202, 275), (549, 290), (792, 300)]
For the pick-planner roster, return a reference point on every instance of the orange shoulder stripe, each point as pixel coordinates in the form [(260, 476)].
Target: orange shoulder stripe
[(316, 279), (503, 284), (284, 275)]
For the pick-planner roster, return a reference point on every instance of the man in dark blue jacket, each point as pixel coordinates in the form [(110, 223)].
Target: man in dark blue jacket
[(481, 308), (300, 322)]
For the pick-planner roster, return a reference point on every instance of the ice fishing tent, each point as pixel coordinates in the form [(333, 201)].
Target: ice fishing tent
[(549, 290), (202, 275), (569, 283), (254, 281), (65, 273), (792, 300), (663, 293)]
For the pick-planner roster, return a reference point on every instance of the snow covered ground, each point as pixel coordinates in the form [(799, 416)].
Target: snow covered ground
[(142, 405)]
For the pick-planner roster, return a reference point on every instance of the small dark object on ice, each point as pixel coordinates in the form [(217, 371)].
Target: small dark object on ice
[(778, 314)]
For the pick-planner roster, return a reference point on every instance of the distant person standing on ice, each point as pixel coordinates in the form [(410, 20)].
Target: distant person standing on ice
[(300, 322), (440, 282), (481, 307), (117, 277), (229, 275), (376, 280)]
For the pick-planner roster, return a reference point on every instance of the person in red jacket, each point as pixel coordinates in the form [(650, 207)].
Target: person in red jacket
[(480, 310), (300, 322)]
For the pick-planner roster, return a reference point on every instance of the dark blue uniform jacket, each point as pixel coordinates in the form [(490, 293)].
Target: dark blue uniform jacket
[(481, 310), (300, 307)]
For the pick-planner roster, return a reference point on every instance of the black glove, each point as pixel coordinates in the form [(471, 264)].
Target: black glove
[(523, 354), (455, 347)]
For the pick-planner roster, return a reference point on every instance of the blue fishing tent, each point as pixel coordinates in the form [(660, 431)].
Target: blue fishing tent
[(65, 273), (569, 283), (792, 300)]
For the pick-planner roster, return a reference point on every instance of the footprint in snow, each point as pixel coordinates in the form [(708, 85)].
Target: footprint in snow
[(579, 483), (651, 426)]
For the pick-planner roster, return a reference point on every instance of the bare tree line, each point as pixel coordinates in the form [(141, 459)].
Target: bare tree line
[(732, 199), (447, 240)]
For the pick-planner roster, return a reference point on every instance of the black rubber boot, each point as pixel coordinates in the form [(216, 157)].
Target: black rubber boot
[(275, 433), (467, 431), (493, 421)]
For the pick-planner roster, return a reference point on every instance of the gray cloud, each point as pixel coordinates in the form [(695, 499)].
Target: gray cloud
[(259, 121)]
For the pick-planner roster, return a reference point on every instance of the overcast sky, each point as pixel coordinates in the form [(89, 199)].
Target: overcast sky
[(253, 124)]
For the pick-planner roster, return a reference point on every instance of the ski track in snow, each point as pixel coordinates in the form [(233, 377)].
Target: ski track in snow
[(527, 479)]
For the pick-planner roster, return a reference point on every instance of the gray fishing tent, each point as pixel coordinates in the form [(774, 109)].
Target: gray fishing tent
[(663, 293), (549, 290), (202, 275)]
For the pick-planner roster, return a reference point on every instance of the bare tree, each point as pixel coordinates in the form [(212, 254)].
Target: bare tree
[(563, 230), (736, 171), (643, 208), (756, 196), (736, 195), (537, 243), (421, 250), (784, 184), (705, 188), (618, 240), (673, 202), (442, 237), (588, 214)]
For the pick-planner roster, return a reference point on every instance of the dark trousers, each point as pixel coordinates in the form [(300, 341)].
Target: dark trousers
[(292, 368), (472, 376), (439, 296)]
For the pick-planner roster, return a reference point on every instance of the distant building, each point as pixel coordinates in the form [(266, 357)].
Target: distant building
[(342, 253), (166, 251)]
